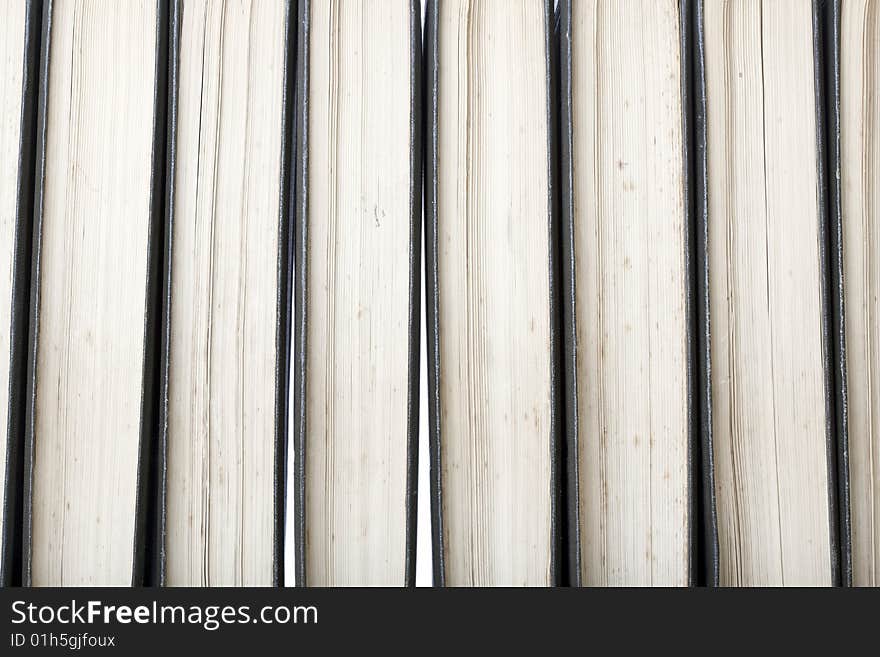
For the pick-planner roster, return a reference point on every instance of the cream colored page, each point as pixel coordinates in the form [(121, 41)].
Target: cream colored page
[(860, 170), (221, 434), (765, 289), (358, 292), (92, 291), (495, 387), (629, 233), (12, 26)]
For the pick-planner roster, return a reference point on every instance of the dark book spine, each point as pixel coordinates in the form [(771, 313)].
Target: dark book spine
[(432, 288), (826, 49), (832, 72), (300, 287), (12, 557), (147, 561), (285, 279), (703, 559), (33, 328), (415, 286), (571, 484), (557, 397), (157, 484)]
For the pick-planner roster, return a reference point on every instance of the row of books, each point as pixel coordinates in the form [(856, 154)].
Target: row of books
[(642, 239)]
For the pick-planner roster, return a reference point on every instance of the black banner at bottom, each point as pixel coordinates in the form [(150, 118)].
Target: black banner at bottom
[(236, 621)]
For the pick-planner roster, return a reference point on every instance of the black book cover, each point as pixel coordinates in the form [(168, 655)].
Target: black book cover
[(11, 559), (826, 48)]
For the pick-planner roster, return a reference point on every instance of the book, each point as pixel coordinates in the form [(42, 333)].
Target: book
[(357, 264), (19, 54), (627, 292), (771, 379), (99, 211), (12, 20), (490, 276), (227, 304), (859, 88)]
